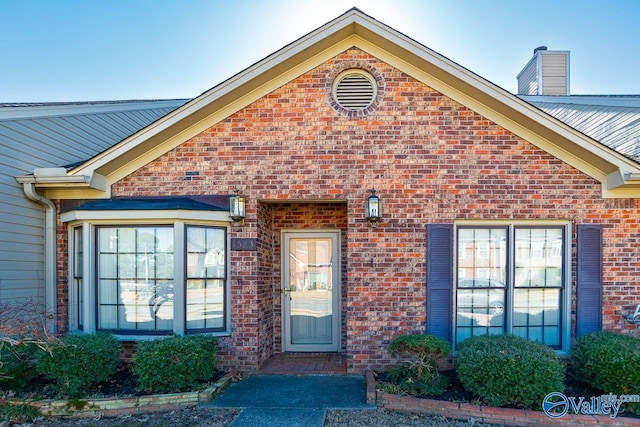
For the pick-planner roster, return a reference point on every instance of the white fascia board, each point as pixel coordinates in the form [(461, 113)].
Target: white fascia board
[(619, 179), (52, 178), (145, 215)]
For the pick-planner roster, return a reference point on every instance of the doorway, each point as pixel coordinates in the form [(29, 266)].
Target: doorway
[(311, 291)]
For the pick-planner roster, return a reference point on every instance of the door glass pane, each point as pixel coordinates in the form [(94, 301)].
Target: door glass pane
[(310, 290)]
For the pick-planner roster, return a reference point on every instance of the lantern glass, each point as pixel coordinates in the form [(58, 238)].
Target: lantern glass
[(236, 207), (373, 207)]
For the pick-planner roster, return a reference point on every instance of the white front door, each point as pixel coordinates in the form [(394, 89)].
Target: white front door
[(311, 291)]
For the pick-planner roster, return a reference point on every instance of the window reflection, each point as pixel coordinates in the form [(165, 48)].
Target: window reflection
[(527, 302)]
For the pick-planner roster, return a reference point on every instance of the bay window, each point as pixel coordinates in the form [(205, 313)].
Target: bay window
[(149, 279)]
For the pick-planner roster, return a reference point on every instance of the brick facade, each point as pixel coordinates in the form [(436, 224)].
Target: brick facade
[(431, 160)]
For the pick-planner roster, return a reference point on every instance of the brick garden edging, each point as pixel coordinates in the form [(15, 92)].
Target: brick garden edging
[(110, 407), (483, 414)]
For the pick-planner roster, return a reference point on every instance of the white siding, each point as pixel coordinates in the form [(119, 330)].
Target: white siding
[(555, 71), (547, 73), (21, 236), (528, 79)]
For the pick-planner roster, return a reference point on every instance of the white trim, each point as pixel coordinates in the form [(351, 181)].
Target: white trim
[(145, 215), (88, 279), (179, 282)]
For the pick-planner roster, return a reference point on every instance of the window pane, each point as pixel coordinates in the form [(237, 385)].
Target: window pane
[(481, 290), (482, 257), (537, 314), (206, 260), (205, 304), (538, 254), (127, 266), (108, 265), (107, 317), (480, 310), (135, 278), (108, 292), (76, 291), (107, 240), (520, 265)]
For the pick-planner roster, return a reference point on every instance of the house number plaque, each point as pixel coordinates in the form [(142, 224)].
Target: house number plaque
[(244, 244)]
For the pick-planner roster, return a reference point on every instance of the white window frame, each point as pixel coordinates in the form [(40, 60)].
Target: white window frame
[(566, 291), (179, 220)]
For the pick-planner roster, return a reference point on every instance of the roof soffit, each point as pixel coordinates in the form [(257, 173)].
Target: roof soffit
[(357, 29)]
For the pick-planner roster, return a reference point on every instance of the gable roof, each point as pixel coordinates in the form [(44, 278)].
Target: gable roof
[(614, 120), (619, 175)]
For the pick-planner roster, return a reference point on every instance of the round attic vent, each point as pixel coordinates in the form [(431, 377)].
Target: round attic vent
[(354, 90)]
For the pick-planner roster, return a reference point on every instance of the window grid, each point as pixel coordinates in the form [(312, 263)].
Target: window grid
[(482, 272), (538, 284), (529, 303), (134, 295), (206, 261)]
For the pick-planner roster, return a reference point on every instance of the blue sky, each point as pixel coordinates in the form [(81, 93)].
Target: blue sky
[(85, 50)]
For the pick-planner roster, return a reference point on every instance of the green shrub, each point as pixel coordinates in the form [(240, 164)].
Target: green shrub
[(18, 413), (17, 366), (174, 364), (609, 362), (507, 370), (418, 374), (78, 362)]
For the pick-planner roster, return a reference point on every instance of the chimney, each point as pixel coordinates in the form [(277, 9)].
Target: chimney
[(547, 73)]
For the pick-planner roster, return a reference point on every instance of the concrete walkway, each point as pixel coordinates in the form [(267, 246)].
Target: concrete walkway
[(289, 401)]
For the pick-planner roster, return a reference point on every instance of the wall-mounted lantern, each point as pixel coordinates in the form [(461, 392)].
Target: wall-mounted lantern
[(373, 208), (236, 207)]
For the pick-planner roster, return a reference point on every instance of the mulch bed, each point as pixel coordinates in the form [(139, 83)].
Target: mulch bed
[(122, 384)]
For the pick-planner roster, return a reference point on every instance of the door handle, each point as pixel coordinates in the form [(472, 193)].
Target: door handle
[(286, 292)]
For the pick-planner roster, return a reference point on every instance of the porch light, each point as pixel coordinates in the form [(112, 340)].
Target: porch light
[(373, 208), (236, 207)]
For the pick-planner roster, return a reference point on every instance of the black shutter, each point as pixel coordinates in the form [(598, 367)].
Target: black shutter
[(589, 279), (439, 280)]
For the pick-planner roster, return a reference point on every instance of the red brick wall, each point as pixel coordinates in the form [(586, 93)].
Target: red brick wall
[(62, 290), (431, 160)]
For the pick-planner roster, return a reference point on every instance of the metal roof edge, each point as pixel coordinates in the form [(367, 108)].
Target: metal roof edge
[(601, 100), (14, 111)]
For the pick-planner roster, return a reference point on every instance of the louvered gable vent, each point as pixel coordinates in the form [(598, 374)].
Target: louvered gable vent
[(354, 90)]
